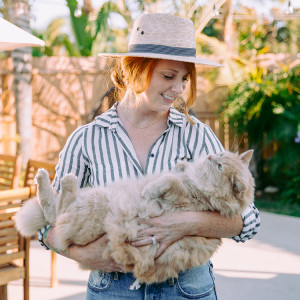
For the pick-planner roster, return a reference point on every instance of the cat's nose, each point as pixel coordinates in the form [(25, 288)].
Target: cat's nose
[(209, 157)]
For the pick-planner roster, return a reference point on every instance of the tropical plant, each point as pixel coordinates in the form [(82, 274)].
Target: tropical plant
[(91, 32), (267, 106)]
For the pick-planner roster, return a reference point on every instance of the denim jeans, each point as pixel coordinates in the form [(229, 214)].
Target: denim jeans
[(195, 283)]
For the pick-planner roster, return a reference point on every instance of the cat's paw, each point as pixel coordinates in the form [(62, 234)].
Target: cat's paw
[(69, 183), (41, 177)]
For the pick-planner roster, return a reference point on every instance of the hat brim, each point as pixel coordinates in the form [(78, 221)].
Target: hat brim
[(196, 60)]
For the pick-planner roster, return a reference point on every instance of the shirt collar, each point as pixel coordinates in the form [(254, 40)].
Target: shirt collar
[(110, 118), (176, 117)]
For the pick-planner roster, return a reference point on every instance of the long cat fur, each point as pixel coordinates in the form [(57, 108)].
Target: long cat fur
[(221, 182)]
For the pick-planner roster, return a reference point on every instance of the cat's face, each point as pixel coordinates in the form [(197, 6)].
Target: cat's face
[(229, 172)]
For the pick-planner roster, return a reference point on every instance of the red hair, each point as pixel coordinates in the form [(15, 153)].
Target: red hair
[(136, 72)]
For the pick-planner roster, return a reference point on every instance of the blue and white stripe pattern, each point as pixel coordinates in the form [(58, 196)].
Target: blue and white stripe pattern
[(101, 152)]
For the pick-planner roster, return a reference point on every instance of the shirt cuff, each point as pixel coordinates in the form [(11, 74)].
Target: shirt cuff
[(42, 234), (251, 221)]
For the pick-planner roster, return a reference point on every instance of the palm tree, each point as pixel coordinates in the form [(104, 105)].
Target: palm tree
[(22, 61)]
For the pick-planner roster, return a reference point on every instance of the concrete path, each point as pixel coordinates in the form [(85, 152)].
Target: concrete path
[(265, 268)]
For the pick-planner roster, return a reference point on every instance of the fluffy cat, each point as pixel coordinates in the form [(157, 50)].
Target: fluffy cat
[(221, 182)]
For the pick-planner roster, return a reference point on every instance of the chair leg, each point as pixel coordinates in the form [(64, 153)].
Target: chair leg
[(26, 266), (54, 279), (3, 292)]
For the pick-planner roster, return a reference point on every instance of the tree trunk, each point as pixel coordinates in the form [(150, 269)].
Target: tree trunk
[(22, 60), (88, 6), (228, 25)]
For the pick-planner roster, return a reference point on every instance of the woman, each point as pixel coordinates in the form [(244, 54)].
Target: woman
[(142, 134)]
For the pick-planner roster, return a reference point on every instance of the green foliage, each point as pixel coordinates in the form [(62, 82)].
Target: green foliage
[(276, 36), (267, 106), (275, 204), (88, 29), (211, 29), (81, 29), (254, 35), (85, 30)]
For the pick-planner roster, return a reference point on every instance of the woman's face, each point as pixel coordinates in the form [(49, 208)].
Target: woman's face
[(168, 81)]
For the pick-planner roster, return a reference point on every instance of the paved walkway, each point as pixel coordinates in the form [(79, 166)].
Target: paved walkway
[(267, 267)]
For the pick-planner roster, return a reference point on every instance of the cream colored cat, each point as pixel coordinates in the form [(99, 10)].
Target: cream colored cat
[(221, 182)]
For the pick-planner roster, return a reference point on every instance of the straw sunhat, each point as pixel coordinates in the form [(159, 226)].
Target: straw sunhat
[(163, 36)]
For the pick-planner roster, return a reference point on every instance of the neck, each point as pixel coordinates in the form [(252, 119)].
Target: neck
[(134, 112)]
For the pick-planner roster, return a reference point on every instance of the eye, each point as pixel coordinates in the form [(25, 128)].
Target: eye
[(168, 77), (220, 167), (186, 79)]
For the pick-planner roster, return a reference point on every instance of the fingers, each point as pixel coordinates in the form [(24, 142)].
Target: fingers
[(161, 249), (142, 242)]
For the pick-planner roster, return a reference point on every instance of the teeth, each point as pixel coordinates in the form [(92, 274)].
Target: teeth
[(168, 98)]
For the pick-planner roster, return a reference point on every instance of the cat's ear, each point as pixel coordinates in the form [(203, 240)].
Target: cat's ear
[(237, 184), (246, 156)]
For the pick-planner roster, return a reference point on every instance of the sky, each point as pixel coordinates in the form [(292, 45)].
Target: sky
[(44, 11)]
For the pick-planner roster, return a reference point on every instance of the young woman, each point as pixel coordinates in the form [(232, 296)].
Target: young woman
[(142, 134)]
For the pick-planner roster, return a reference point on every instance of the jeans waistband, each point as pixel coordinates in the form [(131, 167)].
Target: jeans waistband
[(117, 275)]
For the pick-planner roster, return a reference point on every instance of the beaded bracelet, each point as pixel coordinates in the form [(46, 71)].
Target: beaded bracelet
[(41, 234)]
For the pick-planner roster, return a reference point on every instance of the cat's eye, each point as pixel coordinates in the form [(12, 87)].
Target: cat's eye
[(220, 167)]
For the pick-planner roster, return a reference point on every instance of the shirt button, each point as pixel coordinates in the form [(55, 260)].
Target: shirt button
[(152, 155)]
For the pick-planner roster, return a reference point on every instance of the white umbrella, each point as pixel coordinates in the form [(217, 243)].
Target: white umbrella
[(12, 37)]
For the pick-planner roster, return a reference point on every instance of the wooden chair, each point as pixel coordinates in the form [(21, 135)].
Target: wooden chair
[(10, 169), (14, 249), (33, 166), (31, 169)]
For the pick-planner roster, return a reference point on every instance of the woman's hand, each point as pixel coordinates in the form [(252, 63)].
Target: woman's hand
[(88, 255), (166, 230), (171, 227)]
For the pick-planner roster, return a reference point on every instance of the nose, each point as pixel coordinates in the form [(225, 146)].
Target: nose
[(178, 87), (209, 157)]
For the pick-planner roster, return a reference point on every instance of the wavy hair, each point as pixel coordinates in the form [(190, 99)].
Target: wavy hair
[(136, 72)]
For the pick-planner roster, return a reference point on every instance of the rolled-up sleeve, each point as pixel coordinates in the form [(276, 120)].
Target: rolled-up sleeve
[(251, 221)]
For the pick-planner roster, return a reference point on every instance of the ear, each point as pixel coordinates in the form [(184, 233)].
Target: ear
[(246, 156), (237, 184)]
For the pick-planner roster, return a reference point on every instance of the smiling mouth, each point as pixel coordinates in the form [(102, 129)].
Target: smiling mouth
[(168, 98)]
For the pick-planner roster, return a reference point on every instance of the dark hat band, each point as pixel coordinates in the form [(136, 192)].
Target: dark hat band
[(160, 49)]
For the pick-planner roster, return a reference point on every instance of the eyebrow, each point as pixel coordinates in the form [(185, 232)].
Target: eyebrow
[(175, 71)]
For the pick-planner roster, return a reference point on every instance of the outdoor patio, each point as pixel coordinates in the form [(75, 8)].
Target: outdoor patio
[(52, 84)]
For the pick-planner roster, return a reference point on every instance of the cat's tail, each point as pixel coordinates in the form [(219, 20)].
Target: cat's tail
[(30, 218)]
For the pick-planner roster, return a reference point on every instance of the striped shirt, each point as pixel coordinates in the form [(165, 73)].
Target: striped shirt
[(101, 152)]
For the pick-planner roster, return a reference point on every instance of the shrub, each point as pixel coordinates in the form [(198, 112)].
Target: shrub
[(267, 106)]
